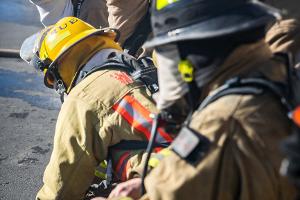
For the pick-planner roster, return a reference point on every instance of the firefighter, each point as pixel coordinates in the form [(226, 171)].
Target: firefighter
[(105, 115), (213, 60)]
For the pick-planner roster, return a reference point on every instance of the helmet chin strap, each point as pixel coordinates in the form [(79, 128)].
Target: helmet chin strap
[(58, 85), (60, 89)]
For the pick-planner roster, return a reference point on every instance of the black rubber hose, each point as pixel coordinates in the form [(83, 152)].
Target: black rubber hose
[(150, 148), (10, 53)]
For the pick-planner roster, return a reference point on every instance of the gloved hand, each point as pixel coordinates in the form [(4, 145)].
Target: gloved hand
[(130, 188)]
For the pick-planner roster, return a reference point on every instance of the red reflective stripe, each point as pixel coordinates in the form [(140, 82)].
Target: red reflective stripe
[(120, 163), (138, 107), (165, 135), (146, 114), (124, 172), (122, 111), (157, 149)]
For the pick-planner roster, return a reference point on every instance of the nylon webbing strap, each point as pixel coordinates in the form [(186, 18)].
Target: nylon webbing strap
[(253, 86), (116, 62), (76, 7), (140, 70), (228, 91)]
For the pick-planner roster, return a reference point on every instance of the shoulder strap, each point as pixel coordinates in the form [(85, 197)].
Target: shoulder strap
[(76, 7), (119, 61), (253, 86), (141, 70)]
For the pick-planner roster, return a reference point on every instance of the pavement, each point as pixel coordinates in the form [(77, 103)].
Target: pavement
[(28, 110)]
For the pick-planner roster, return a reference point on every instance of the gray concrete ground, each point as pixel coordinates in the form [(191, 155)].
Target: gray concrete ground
[(28, 110)]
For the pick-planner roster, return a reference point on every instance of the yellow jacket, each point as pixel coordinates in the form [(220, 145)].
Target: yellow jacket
[(102, 110)]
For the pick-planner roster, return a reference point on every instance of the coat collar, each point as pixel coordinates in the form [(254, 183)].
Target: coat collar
[(246, 61)]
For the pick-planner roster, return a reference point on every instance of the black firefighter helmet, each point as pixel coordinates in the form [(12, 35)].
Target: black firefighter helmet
[(177, 20)]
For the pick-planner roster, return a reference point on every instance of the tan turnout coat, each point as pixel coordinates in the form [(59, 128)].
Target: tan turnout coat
[(245, 132), (87, 126)]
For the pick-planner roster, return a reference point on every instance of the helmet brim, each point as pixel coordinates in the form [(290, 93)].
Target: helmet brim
[(248, 16), (74, 41), (82, 36)]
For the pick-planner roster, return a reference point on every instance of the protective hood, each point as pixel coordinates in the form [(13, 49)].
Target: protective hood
[(171, 85)]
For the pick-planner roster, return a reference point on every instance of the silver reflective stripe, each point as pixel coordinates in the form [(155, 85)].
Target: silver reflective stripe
[(141, 120)]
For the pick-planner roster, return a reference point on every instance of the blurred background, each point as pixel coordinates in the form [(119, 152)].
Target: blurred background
[(28, 110)]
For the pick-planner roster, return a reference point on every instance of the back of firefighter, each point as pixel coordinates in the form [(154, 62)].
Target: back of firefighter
[(229, 148), (102, 108)]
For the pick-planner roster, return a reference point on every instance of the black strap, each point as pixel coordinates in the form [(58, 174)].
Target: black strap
[(76, 7), (135, 145), (140, 70), (253, 86), (59, 84)]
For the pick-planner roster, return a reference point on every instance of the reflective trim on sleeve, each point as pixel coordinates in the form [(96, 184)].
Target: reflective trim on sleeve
[(157, 158), (139, 118), (121, 166)]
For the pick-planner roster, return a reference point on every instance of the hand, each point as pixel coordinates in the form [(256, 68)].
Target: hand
[(98, 198), (130, 188)]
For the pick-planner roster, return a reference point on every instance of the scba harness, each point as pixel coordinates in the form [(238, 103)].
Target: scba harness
[(144, 72), (192, 146), (288, 98), (287, 93), (141, 70)]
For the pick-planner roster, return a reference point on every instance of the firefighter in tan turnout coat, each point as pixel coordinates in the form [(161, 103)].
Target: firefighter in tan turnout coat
[(229, 148), (103, 108)]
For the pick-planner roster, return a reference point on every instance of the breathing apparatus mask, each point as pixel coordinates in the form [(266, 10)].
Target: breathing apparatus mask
[(182, 72), (184, 68)]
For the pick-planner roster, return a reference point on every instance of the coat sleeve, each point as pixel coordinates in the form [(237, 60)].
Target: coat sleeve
[(174, 178), (77, 150), (234, 168), (125, 15)]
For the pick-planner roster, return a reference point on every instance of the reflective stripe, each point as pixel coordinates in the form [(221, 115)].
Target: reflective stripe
[(121, 161), (101, 169), (125, 198), (157, 149), (160, 4), (157, 158), (139, 118), (121, 166), (100, 175)]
